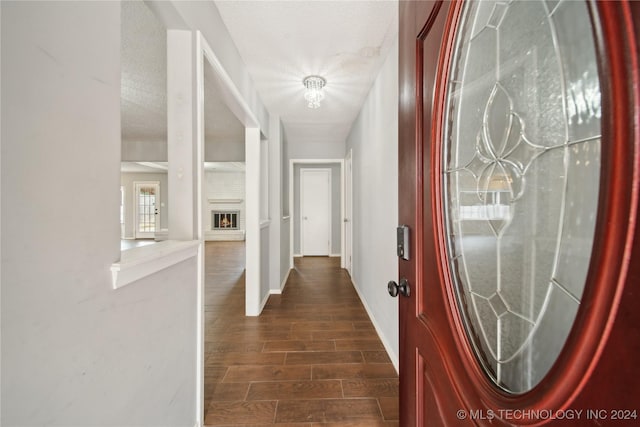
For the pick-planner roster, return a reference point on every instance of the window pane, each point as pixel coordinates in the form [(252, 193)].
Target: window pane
[(521, 167)]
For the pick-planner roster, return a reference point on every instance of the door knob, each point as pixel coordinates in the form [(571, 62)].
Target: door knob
[(402, 288)]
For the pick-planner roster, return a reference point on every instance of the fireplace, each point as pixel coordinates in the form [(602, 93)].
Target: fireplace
[(225, 220)]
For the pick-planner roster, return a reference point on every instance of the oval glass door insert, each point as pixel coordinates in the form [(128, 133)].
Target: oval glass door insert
[(521, 176)]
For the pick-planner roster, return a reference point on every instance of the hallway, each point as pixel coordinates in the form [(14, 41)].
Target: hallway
[(312, 358)]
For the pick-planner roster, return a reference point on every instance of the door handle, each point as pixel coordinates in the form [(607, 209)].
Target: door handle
[(403, 288)]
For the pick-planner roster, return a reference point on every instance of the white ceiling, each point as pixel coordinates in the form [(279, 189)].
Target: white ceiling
[(280, 42)]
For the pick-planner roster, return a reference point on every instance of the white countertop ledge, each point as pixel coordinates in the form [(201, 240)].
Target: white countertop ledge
[(136, 263)]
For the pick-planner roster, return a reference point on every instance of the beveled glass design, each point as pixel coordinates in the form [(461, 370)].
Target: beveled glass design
[(521, 177)]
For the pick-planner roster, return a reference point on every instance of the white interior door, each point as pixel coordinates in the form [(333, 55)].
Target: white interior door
[(315, 211), (147, 209)]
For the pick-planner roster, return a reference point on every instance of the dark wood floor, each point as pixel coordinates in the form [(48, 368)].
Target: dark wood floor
[(312, 358)]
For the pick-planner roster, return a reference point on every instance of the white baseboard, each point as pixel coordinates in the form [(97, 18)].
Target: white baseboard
[(284, 281), (282, 285), (297, 255), (385, 343), (335, 255), (264, 302)]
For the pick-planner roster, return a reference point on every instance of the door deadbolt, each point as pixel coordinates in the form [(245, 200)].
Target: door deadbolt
[(402, 246)]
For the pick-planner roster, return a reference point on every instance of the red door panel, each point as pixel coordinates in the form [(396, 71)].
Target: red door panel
[(595, 379)]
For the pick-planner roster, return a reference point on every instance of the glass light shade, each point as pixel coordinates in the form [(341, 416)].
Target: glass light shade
[(314, 94)]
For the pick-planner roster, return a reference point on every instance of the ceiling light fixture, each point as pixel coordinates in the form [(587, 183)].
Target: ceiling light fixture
[(313, 93)]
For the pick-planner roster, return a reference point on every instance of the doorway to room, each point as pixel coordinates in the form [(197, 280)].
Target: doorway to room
[(336, 238), (146, 209)]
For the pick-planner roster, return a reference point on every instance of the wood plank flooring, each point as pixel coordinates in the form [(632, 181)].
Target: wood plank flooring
[(311, 359)]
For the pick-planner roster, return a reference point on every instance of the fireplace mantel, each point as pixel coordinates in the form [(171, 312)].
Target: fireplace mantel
[(225, 201)]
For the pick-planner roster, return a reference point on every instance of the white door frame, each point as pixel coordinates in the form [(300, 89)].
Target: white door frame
[(348, 213), (292, 163), (123, 210), (137, 234), (329, 209), (253, 135), (232, 97)]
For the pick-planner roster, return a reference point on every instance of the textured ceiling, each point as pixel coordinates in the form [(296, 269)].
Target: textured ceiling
[(281, 42), (143, 91), (144, 83)]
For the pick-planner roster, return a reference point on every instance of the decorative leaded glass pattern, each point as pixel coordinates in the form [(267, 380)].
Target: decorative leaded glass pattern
[(521, 166)]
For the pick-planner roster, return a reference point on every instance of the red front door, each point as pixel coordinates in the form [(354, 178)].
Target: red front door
[(519, 133)]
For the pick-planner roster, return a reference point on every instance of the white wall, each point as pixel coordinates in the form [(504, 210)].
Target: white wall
[(223, 151), (76, 352), (285, 254), (276, 273), (284, 188), (315, 150), (144, 151), (374, 140), (285, 229), (265, 266)]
